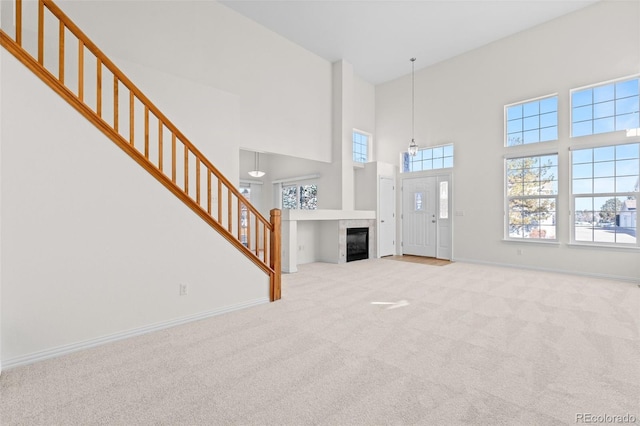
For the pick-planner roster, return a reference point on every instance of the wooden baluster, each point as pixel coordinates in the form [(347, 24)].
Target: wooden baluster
[(173, 157), (275, 259), (160, 148), (264, 243), (209, 191), (186, 169), (131, 117), (41, 32), (80, 70), (198, 180), (146, 132), (99, 88), (230, 211), (61, 52), (115, 103), (257, 237), (248, 230), (239, 218), (219, 201), (19, 22)]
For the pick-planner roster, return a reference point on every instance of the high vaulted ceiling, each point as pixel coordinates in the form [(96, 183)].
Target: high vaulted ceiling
[(378, 37)]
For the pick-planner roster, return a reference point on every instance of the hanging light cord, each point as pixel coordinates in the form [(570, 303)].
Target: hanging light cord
[(413, 97)]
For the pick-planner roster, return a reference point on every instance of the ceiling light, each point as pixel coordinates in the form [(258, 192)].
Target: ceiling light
[(256, 172)]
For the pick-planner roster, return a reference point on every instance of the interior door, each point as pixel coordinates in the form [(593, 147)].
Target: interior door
[(419, 216), (387, 225)]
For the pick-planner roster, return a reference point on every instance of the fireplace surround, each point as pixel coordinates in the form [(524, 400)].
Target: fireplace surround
[(321, 235)]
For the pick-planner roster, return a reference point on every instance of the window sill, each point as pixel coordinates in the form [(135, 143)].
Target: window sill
[(604, 247), (531, 241), (358, 165)]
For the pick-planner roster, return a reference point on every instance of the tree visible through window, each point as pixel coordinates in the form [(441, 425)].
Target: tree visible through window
[(304, 197), (290, 197), (605, 190), (309, 197), (532, 188)]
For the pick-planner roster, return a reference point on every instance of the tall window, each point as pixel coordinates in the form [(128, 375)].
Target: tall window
[(605, 190), (360, 147), (438, 157), (606, 108), (532, 122), (532, 192), (304, 197)]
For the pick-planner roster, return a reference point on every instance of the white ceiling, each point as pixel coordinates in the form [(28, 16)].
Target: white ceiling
[(378, 37)]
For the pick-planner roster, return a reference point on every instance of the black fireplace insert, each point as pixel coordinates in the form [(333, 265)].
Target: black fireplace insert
[(357, 244)]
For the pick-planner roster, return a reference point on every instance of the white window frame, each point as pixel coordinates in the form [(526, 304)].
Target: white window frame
[(295, 181), (538, 115), (414, 159), (594, 86), (368, 146), (615, 194), (298, 187), (508, 199)]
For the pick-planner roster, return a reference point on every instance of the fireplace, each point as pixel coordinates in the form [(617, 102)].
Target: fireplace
[(357, 244)]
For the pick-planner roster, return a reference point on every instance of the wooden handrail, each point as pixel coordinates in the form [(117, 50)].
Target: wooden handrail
[(270, 260), (131, 86)]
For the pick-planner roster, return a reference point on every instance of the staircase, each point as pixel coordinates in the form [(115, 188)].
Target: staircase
[(99, 91)]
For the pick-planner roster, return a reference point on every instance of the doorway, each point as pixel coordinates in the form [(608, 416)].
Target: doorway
[(387, 220), (426, 218)]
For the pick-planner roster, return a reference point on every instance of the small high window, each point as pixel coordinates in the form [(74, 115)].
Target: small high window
[(360, 147), (606, 108), (532, 122)]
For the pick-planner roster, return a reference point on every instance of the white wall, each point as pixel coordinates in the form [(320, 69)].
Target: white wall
[(208, 117), (462, 101), (284, 167), (365, 109), (284, 91), (92, 245)]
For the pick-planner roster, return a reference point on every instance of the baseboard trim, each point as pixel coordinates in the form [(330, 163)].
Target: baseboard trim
[(86, 344), (558, 271)]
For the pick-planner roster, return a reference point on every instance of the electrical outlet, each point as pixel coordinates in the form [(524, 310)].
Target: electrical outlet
[(184, 290), (519, 252)]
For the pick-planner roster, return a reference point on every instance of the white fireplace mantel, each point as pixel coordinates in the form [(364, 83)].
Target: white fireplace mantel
[(330, 234), (327, 214)]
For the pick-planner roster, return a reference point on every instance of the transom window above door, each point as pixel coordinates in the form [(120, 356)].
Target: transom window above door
[(437, 157)]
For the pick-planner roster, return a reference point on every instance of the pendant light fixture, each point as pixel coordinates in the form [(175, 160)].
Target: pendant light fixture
[(413, 146), (256, 172)]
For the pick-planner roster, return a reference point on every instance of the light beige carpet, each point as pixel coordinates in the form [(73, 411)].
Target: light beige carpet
[(468, 344)]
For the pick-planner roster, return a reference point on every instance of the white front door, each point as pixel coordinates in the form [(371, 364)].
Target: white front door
[(419, 216), (387, 224)]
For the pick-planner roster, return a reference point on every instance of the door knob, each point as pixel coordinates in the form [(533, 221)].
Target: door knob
[(433, 221), (382, 221)]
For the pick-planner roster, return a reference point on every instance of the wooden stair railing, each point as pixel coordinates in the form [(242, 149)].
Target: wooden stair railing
[(145, 133)]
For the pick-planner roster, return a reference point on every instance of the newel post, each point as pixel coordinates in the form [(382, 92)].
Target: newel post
[(275, 260)]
